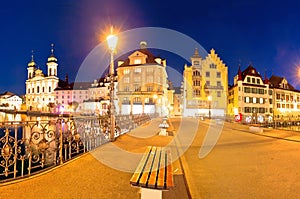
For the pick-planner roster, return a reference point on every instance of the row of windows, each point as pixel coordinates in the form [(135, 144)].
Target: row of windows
[(254, 100), (207, 74), (218, 83), (253, 80), (138, 100), (255, 110), (287, 97), (287, 106), (255, 90), (38, 90)]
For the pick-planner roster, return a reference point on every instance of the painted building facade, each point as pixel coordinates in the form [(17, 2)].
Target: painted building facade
[(142, 84), (250, 97), (205, 85)]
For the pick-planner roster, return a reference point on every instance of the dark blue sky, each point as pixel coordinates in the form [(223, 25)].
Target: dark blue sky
[(265, 34)]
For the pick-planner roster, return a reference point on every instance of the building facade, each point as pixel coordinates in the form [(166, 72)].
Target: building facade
[(10, 101), (205, 85), (40, 86), (142, 84), (285, 99), (250, 97)]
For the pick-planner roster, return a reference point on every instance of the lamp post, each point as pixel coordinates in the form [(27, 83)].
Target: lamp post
[(209, 106), (112, 41)]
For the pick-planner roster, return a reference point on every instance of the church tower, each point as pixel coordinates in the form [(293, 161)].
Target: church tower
[(31, 67), (52, 63)]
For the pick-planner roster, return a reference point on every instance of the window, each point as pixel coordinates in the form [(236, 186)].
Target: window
[(248, 79), (207, 83), (270, 92), (28, 91), (270, 101), (149, 79), (149, 70), (207, 74), (49, 89), (126, 71), (254, 100), (196, 73), (38, 89), (149, 88), (126, 88), (277, 96), (136, 100), (254, 90), (218, 93), (247, 90), (197, 93), (212, 66), (258, 81), (218, 74), (218, 83), (196, 63), (137, 70), (126, 80), (261, 100), (137, 61), (253, 80), (196, 83), (246, 99), (137, 79), (137, 88)]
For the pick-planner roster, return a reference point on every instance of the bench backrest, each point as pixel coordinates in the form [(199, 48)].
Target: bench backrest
[(154, 170)]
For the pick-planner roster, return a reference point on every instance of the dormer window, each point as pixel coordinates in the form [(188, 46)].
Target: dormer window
[(137, 61)]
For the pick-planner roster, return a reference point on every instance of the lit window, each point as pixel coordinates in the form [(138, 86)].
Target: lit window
[(126, 71), (137, 61)]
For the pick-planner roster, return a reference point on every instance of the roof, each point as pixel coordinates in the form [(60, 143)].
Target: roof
[(275, 82), (62, 85), (150, 58), (249, 71)]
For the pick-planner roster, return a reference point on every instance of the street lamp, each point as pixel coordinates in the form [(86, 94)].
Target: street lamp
[(112, 41), (209, 106)]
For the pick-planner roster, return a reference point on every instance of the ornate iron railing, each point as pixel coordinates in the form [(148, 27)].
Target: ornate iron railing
[(30, 147)]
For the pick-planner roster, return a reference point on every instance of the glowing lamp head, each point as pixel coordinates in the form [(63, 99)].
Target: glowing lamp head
[(112, 41), (209, 98)]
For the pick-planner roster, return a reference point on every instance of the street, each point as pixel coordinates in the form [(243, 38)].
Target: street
[(242, 165)]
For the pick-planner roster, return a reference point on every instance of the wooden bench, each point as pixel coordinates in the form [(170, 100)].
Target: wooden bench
[(154, 173)]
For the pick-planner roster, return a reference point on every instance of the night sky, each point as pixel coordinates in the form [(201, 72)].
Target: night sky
[(264, 34)]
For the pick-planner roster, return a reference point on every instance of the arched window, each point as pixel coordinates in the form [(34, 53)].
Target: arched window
[(38, 89), (50, 71), (49, 89)]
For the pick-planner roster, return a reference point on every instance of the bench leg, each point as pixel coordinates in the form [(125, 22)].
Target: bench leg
[(151, 193)]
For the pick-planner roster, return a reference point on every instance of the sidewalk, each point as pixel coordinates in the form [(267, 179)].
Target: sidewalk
[(288, 135), (90, 177)]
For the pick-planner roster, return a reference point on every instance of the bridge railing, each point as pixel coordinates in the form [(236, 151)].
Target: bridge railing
[(33, 146)]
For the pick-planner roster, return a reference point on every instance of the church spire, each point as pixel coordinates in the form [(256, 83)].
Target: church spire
[(32, 63), (52, 58), (239, 73)]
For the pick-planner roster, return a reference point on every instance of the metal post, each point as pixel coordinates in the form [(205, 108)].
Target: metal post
[(112, 105)]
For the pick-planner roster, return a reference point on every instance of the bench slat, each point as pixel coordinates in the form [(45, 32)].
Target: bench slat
[(138, 172), (169, 171), (155, 169), (147, 170), (161, 174)]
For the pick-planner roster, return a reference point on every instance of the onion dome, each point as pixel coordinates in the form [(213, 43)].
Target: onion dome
[(32, 63), (52, 58)]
